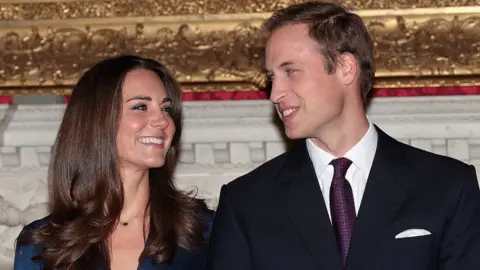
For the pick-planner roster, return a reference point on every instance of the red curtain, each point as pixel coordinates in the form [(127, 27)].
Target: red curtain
[(378, 93), (427, 91), (5, 100), (385, 92)]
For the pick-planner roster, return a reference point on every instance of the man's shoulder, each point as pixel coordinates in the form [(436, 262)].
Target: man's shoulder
[(437, 172), (263, 173), (247, 191), (430, 159)]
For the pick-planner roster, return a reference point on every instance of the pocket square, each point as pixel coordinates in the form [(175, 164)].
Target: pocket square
[(412, 233)]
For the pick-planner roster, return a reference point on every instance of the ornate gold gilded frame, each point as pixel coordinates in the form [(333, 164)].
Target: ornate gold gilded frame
[(217, 45)]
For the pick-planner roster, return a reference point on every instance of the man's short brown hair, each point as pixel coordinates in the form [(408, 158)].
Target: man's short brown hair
[(336, 30)]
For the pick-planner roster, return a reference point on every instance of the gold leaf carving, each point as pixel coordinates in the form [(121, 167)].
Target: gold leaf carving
[(141, 8), (99, 9), (437, 46), (59, 56), (206, 54), (254, 6)]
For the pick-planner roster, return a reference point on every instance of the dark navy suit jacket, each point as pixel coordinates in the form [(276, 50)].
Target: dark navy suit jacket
[(275, 218), (184, 260)]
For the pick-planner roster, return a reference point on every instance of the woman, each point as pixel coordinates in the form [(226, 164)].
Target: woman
[(113, 203)]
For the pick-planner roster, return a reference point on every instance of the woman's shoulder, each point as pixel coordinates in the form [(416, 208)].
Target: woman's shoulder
[(36, 224), (196, 258), (30, 227), (207, 216), (24, 252)]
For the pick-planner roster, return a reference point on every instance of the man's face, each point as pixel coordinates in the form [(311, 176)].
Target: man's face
[(306, 97)]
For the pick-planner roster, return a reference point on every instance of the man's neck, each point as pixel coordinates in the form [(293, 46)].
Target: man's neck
[(340, 136)]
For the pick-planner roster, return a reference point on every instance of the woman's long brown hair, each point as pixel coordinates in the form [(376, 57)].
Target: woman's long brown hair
[(85, 189)]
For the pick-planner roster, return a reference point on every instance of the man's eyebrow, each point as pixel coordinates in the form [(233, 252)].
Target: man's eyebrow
[(286, 63), (282, 65)]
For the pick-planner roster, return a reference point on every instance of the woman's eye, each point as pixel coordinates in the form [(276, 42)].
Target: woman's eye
[(141, 107), (169, 110)]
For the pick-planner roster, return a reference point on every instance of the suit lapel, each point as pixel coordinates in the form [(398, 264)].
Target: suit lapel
[(385, 192), (302, 200)]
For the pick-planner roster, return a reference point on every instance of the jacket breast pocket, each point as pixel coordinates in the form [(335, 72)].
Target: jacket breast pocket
[(413, 243), (410, 252)]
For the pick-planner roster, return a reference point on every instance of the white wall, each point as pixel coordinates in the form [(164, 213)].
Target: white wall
[(222, 140)]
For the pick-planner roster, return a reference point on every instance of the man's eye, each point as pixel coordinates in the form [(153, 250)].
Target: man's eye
[(290, 71)]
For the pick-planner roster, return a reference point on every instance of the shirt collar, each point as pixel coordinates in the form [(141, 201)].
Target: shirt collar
[(361, 154)]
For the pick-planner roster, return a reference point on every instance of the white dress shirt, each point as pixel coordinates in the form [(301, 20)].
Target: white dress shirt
[(361, 155)]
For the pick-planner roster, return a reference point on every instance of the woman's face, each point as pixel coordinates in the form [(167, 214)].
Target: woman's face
[(146, 128)]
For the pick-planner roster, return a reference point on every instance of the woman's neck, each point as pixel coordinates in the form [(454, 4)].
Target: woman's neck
[(136, 193)]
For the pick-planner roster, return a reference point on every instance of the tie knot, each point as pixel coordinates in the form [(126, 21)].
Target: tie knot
[(340, 166)]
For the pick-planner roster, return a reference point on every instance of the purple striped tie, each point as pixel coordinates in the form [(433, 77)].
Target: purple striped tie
[(342, 206)]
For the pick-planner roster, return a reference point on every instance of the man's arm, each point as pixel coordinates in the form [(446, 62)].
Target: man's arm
[(461, 243), (228, 248)]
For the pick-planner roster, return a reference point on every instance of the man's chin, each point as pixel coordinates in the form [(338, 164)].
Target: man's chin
[(293, 134)]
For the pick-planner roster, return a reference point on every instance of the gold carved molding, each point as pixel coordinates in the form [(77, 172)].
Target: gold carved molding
[(217, 45), (47, 10)]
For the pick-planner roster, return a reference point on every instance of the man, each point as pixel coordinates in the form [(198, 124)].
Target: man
[(348, 196)]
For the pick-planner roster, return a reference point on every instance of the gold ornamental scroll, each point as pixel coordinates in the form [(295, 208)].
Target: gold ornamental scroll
[(217, 45)]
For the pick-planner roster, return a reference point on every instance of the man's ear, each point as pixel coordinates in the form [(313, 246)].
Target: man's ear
[(348, 68)]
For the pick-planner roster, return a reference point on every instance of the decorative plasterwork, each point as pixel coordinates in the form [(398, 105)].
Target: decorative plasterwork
[(222, 140), (253, 121), (217, 45)]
